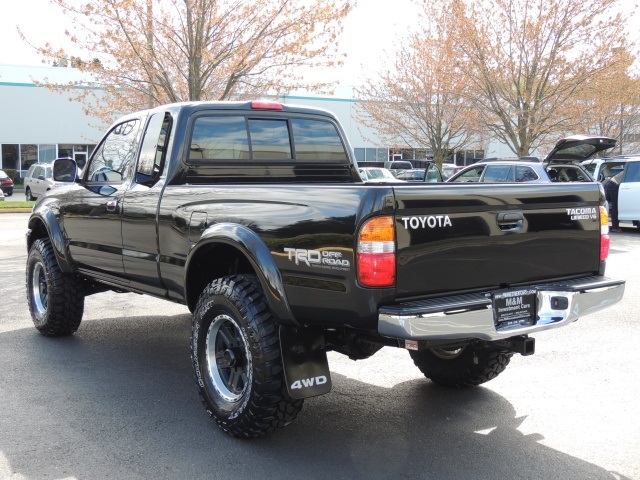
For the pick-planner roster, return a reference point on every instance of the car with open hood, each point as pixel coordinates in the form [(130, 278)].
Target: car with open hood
[(564, 163)]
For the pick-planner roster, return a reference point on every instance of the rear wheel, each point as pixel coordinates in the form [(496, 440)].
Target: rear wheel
[(465, 366), (237, 361), (27, 193), (56, 299)]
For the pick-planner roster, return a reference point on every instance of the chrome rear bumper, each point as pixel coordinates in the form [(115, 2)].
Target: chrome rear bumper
[(471, 316)]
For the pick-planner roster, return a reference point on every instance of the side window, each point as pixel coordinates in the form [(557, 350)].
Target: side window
[(270, 139), (317, 140), (471, 175), (37, 172), (219, 138), (111, 160), (32, 169), (499, 173), (154, 147), (633, 172), (525, 174)]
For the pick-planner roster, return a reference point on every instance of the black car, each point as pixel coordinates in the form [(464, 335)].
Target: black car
[(6, 184)]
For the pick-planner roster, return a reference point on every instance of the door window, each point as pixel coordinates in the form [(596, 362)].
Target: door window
[(471, 175), (633, 172), (433, 174), (154, 148), (498, 173), (110, 163), (525, 174)]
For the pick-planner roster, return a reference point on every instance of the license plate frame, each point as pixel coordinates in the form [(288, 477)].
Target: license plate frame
[(514, 307)]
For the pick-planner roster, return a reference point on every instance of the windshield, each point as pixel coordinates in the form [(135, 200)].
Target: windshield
[(375, 173)]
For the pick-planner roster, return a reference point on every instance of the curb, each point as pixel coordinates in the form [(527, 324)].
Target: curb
[(16, 210)]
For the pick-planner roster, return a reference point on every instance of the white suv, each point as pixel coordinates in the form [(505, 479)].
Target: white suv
[(38, 180), (629, 193), (602, 169)]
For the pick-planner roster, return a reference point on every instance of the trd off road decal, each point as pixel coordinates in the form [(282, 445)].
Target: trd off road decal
[(318, 258)]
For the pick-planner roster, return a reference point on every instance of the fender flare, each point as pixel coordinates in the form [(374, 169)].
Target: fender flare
[(258, 254), (47, 217)]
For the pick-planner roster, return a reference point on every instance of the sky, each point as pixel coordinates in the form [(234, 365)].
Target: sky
[(370, 33)]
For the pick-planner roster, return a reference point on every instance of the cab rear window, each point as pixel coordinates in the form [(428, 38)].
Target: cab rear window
[(240, 138)]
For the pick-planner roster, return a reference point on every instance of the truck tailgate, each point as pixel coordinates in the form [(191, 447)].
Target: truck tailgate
[(464, 237)]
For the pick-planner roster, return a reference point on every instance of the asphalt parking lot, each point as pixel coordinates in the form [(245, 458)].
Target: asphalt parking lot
[(118, 400)]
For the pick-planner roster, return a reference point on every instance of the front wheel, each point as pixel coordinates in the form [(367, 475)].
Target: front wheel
[(56, 299), (237, 361), (461, 367)]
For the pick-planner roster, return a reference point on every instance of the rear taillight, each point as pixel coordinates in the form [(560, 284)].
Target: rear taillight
[(377, 253), (7, 182), (605, 241)]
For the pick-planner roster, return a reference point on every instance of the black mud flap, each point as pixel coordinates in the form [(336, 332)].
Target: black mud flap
[(304, 357)]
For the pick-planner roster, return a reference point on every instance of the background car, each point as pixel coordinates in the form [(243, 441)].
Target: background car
[(38, 180), (629, 192), (562, 164), (376, 175), (6, 184), (397, 166), (431, 174), (564, 161), (602, 169), (448, 169), (501, 171)]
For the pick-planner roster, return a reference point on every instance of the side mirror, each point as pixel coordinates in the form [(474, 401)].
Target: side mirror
[(64, 170)]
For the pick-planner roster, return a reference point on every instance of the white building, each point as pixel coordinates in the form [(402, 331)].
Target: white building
[(40, 125)]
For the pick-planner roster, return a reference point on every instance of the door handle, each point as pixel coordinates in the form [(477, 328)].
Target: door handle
[(112, 206), (510, 221)]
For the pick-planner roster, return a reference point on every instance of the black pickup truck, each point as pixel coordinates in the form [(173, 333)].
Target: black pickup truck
[(254, 216)]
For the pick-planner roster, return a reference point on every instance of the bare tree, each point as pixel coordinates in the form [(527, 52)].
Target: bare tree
[(527, 61), (610, 105), (144, 52), (419, 101)]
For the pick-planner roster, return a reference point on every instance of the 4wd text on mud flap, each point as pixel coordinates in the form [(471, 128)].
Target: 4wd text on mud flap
[(309, 382)]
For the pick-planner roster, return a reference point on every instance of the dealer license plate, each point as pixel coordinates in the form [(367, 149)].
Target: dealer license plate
[(514, 307)]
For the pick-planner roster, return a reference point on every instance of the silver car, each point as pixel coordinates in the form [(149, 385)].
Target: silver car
[(38, 181)]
